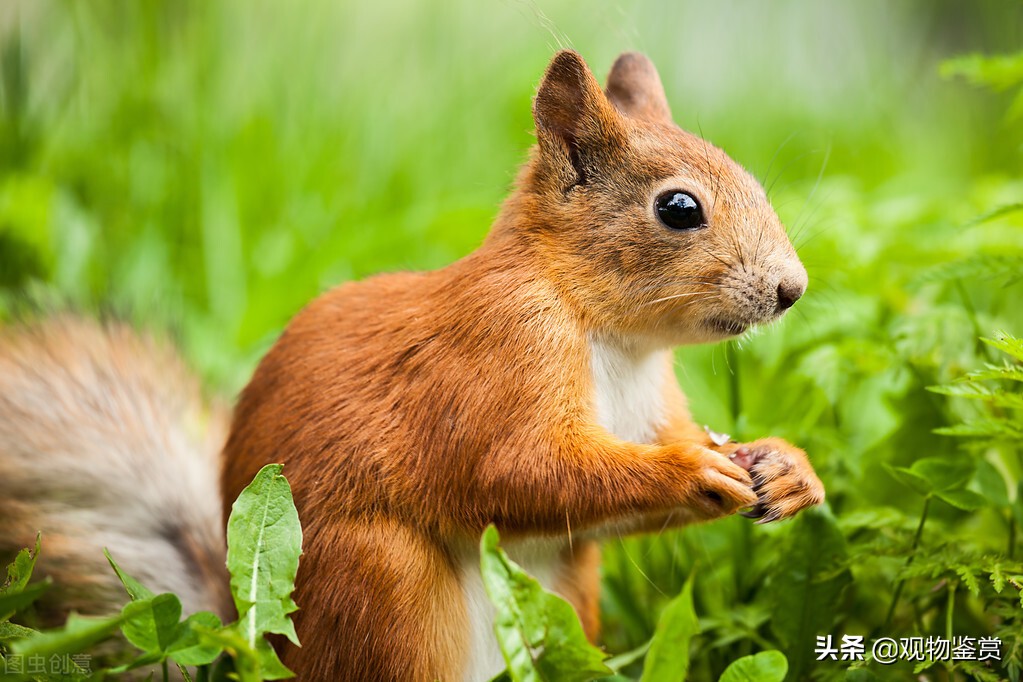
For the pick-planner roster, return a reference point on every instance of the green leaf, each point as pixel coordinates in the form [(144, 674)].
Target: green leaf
[(908, 478), (967, 500), (13, 593), (973, 391), (767, 666), (251, 664), (189, 648), (985, 267), (998, 72), (1007, 344), (619, 661), (668, 659), (995, 214), (264, 541), (11, 631), (136, 590), (539, 633), (944, 473), (19, 572), (991, 484), (77, 634), (152, 624), (988, 428), (1004, 372), (807, 585), (145, 660), (12, 603)]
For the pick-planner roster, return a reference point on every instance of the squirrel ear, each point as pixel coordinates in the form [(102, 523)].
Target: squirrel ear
[(572, 113), (635, 88)]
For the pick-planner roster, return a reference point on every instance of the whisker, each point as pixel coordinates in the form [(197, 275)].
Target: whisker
[(774, 158), (816, 185)]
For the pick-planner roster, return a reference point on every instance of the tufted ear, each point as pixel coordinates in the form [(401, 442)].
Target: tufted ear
[(574, 119), (634, 87)]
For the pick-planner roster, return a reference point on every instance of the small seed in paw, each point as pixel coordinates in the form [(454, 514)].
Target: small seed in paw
[(744, 457)]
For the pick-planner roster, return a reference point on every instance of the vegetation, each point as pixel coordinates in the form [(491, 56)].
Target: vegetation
[(264, 544), (207, 167)]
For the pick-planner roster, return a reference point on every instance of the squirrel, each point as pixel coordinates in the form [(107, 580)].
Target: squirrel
[(529, 384)]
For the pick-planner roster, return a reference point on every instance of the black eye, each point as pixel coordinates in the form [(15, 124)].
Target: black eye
[(679, 211)]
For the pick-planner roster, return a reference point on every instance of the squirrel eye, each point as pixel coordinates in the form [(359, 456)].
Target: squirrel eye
[(679, 211)]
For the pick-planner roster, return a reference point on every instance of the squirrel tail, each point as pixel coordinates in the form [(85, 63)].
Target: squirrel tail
[(106, 442)]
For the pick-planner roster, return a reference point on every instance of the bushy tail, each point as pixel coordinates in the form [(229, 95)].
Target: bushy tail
[(106, 441)]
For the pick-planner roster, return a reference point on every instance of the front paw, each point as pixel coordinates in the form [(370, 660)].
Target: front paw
[(782, 478), (720, 487)]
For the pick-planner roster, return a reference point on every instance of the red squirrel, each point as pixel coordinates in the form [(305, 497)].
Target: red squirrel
[(529, 384)]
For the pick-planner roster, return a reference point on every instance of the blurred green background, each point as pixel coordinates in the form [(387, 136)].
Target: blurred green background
[(208, 167)]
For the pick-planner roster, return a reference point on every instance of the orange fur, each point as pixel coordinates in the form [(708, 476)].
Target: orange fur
[(412, 409)]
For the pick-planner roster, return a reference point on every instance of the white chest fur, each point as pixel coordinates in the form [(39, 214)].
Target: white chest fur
[(629, 403), (629, 389)]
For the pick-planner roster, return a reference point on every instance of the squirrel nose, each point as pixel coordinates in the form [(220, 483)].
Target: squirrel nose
[(788, 294)]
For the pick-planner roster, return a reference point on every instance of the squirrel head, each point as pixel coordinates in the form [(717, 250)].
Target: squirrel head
[(647, 229)]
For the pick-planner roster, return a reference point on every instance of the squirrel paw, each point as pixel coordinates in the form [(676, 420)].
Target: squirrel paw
[(722, 488), (782, 478)]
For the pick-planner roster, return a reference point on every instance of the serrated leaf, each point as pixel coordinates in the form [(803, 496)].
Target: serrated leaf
[(1007, 344), (264, 539), (973, 391), (766, 666), (969, 578), (77, 634), (989, 428), (996, 373), (668, 658), (807, 585), (997, 578), (19, 572), (538, 632), (135, 589)]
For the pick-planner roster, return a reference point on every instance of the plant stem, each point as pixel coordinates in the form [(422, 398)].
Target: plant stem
[(950, 609), (1011, 549), (166, 675), (909, 560)]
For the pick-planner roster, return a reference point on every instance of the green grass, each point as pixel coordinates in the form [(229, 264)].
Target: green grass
[(211, 166)]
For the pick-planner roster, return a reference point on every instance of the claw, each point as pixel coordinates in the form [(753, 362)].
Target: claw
[(773, 516), (756, 512)]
